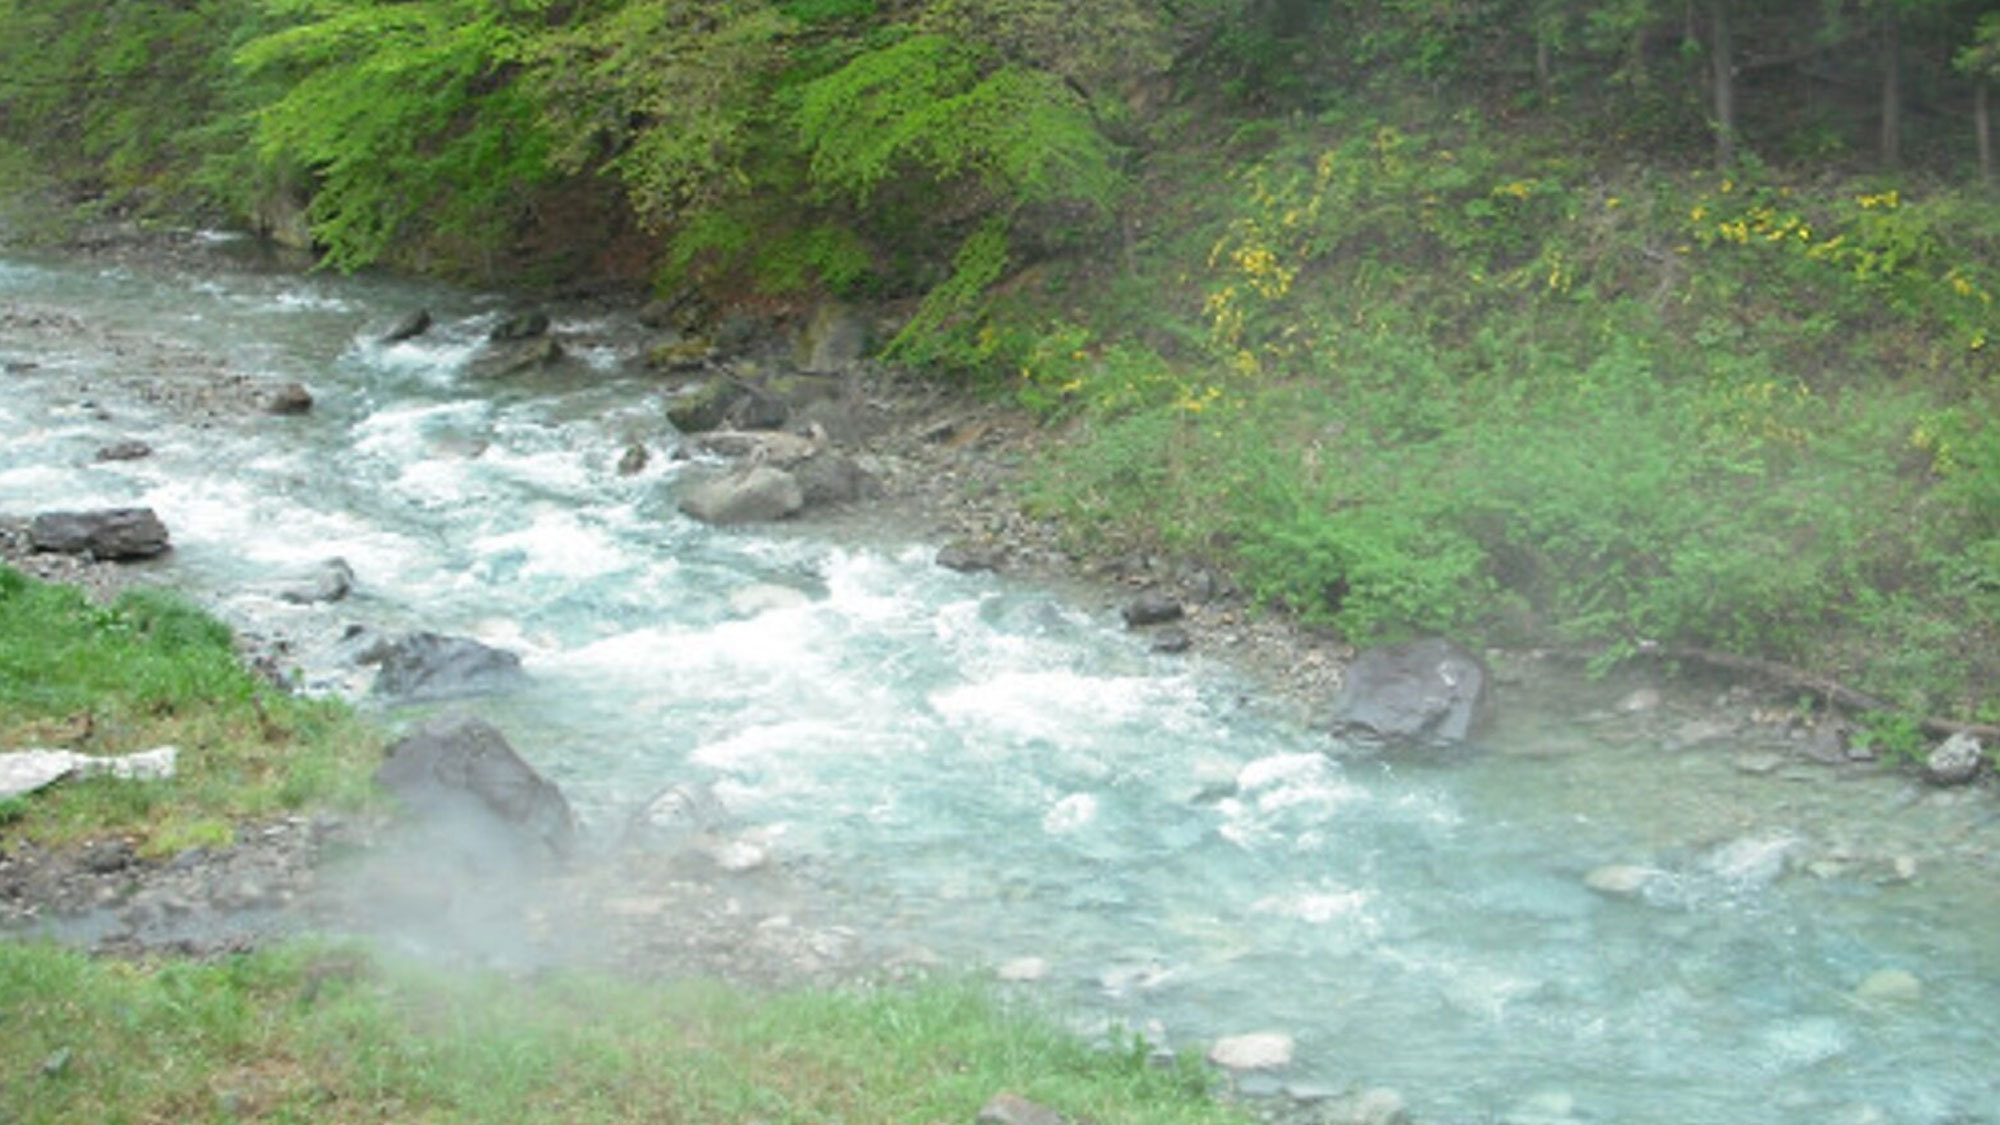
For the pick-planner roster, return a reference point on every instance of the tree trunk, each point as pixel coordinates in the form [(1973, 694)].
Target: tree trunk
[(1722, 61), (1982, 125), (1892, 93)]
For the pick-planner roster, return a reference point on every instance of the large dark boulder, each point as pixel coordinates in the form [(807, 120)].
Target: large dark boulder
[(1425, 693), (109, 533), (457, 773), (431, 666)]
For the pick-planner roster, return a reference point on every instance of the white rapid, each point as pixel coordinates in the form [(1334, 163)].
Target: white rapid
[(984, 768)]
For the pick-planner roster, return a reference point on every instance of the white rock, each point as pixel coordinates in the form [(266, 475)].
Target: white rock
[(1890, 986), (25, 771), (1022, 969), (1619, 880), (1956, 761), (1261, 1050)]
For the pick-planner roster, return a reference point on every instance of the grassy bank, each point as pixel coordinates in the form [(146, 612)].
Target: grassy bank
[(328, 1035), (151, 670), (1464, 381)]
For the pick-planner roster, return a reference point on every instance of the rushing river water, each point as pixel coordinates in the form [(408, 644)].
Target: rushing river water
[(1004, 776)]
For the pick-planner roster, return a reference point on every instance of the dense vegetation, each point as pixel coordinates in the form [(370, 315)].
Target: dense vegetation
[(150, 670), (328, 1035), (1591, 322)]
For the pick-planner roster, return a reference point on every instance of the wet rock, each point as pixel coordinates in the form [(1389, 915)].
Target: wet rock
[(967, 555), (1425, 693), (107, 534), (1173, 642), (423, 666), (459, 773), (1152, 608), (330, 581), (835, 478), (513, 357), (412, 325), (1013, 1109), (633, 460), (286, 399), (753, 494), (833, 340), (1955, 761), (126, 449), (1263, 1050), (520, 326)]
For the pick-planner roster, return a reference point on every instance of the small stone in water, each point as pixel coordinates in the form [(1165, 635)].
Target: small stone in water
[(1263, 1050), (1022, 969), (1620, 880), (1890, 986), (1758, 762)]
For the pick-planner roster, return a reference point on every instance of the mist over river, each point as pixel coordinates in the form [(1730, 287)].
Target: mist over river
[(995, 773)]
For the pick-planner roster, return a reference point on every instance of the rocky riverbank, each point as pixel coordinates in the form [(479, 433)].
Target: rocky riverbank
[(945, 469)]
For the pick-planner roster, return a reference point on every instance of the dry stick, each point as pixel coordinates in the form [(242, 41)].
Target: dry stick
[(1829, 690)]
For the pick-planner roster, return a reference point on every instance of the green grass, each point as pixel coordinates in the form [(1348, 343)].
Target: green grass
[(329, 1035), (152, 670)]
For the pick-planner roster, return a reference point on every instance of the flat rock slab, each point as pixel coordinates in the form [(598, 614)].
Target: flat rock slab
[(25, 771), (109, 533)]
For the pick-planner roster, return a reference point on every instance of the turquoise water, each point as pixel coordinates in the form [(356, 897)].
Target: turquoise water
[(982, 767)]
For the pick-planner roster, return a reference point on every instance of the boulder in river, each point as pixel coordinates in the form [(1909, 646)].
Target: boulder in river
[(512, 357), (330, 581), (459, 772), (286, 398), (412, 325), (521, 326), (1427, 692), (107, 533), (1955, 761), (431, 666), (752, 494)]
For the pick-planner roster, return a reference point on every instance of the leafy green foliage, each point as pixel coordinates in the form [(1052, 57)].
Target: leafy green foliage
[(409, 117)]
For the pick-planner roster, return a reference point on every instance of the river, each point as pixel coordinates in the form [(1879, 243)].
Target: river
[(993, 771)]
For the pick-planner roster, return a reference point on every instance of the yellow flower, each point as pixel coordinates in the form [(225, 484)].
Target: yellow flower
[(1698, 213)]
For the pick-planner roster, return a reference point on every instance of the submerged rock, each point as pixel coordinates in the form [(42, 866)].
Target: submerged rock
[(1425, 693), (108, 534)]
